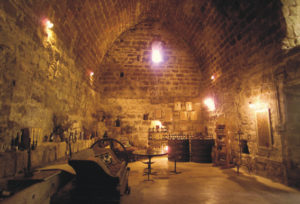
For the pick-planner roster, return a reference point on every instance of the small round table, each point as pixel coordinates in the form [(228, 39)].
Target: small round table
[(149, 154)]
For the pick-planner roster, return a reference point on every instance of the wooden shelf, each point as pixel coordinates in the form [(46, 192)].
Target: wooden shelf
[(221, 148)]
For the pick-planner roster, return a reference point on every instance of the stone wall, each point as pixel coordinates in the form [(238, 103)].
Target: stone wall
[(257, 94), (288, 80), (15, 162), (39, 79), (290, 10), (128, 71), (134, 128), (262, 76), (251, 48), (40, 84), (133, 85)]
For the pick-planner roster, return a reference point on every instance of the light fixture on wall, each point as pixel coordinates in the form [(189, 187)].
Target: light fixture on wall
[(157, 52), (91, 76), (156, 124), (48, 25), (164, 149), (209, 102), (258, 106), (251, 105)]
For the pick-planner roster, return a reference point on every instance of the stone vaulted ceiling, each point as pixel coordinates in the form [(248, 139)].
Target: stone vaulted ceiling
[(211, 28)]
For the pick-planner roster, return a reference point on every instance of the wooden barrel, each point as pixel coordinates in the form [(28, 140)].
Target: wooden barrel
[(179, 150), (201, 151)]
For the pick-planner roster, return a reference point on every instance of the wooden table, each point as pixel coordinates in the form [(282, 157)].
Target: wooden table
[(149, 154)]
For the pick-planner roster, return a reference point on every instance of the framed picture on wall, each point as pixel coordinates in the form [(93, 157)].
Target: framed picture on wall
[(188, 106), (177, 106), (193, 115), (263, 128), (183, 115)]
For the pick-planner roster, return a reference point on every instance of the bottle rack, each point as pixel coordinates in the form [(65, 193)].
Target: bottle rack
[(168, 136)]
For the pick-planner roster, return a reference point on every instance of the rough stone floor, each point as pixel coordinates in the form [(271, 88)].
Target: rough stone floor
[(202, 183)]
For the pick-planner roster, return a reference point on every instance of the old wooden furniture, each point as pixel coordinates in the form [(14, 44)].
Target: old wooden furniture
[(100, 171), (222, 156), (149, 154)]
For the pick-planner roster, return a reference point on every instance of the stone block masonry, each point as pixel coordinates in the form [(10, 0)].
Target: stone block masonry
[(250, 47), (133, 85), (128, 71), (253, 66), (14, 162), (39, 80)]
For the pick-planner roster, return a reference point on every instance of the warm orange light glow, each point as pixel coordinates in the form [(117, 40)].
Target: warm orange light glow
[(91, 74), (251, 105), (48, 24), (209, 102), (156, 123), (262, 110), (166, 148), (156, 56), (258, 106), (157, 52), (49, 34), (212, 77)]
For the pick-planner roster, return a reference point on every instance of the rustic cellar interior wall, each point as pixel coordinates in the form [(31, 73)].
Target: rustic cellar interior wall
[(252, 49), (132, 86)]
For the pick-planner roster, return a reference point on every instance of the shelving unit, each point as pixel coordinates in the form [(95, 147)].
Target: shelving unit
[(222, 156), (157, 140)]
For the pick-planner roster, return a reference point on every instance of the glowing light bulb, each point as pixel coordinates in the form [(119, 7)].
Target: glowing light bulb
[(156, 56), (49, 25), (251, 105), (212, 77), (156, 123), (258, 106), (91, 74), (210, 104)]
